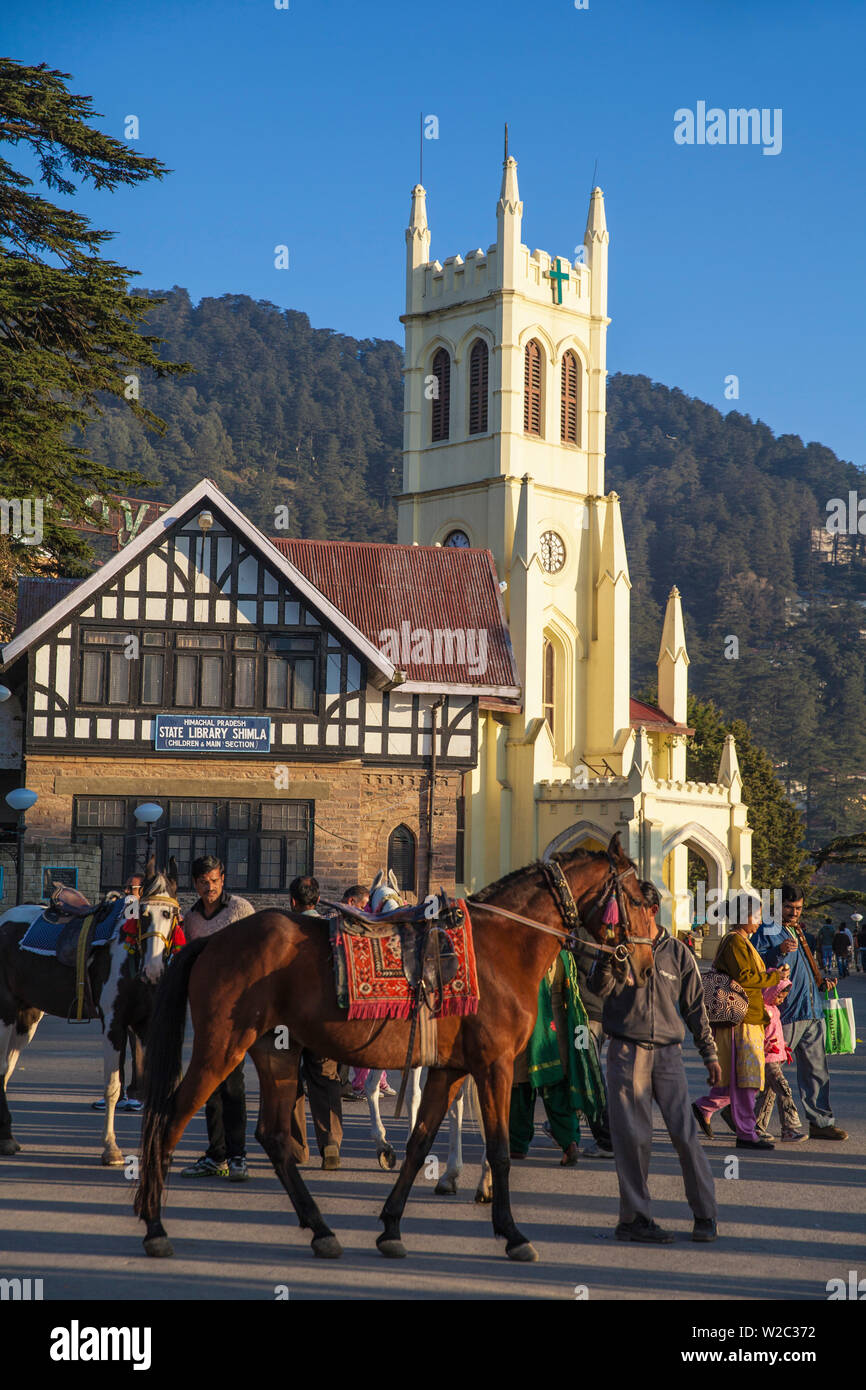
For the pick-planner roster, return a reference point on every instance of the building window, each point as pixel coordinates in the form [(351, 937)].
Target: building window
[(533, 405), (478, 359), (441, 395), (401, 858), (263, 844), (570, 402), (104, 674), (548, 669), (291, 673)]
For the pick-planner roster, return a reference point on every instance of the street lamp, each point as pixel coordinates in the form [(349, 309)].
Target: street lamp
[(148, 814), (5, 693), (21, 799)]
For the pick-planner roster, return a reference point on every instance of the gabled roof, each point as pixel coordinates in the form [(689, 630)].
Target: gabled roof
[(653, 719), (404, 589), (331, 588)]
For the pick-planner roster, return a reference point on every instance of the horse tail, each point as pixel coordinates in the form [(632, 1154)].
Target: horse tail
[(163, 1067)]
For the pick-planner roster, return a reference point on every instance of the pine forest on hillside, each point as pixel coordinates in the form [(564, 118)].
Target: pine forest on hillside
[(282, 414)]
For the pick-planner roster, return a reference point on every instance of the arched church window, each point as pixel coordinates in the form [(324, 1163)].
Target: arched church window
[(570, 399), (401, 857), (478, 358), (548, 667), (532, 389), (441, 395)]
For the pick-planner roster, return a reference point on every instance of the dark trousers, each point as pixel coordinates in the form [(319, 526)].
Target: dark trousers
[(320, 1080), (226, 1115)]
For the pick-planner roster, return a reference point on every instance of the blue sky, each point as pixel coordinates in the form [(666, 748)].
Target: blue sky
[(300, 127)]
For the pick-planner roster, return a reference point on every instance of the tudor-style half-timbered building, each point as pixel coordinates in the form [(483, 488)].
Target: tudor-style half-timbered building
[(277, 698)]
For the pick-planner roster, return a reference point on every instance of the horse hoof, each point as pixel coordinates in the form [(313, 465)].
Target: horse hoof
[(392, 1249), (327, 1247), (159, 1247), (387, 1158), (112, 1158), (8, 1147), (483, 1198), (446, 1187), (524, 1254)]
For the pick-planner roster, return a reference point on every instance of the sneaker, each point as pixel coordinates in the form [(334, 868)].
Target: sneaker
[(793, 1136), (238, 1169), (704, 1229), (827, 1132), (98, 1104), (349, 1093), (131, 1105), (205, 1168), (330, 1157), (387, 1091), (646, 1232), (755, 1144)]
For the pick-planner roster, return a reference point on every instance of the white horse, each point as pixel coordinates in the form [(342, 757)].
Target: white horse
[(31, 986), (384, 898)]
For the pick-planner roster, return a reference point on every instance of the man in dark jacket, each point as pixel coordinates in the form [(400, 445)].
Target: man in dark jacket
[(645, 1062)]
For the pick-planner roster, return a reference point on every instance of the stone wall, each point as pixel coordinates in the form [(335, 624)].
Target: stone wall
[(49, 852)]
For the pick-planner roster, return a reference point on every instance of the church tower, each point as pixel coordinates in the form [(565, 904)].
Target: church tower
[(504, 449)]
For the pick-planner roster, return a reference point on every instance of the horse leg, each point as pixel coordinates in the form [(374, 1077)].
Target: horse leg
[(279, 1093), (447, 1184), (111, 1154), (442, 1086), (494, 1097), (14, 1037), (384, 1151)]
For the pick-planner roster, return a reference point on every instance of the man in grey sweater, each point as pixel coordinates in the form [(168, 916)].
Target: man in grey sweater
[(646, 1027), (226, 1111)]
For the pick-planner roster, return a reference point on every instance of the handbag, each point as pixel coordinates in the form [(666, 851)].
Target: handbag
[(725, 1001), (840, 1034)]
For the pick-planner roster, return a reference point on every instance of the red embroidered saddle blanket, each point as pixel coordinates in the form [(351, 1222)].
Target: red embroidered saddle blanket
[(378, 987)]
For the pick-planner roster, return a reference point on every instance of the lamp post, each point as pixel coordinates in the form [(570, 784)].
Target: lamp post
[(148, 814), (21, 799)]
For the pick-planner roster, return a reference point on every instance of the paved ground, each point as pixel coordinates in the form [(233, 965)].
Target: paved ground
[(790, 1221)]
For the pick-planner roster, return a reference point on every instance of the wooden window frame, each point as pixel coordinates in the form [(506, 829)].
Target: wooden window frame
[(533, 389), (479, 359), (440, 415), (570, 381)]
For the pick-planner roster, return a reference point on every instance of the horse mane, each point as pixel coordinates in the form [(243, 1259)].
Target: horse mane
[(571, 856)]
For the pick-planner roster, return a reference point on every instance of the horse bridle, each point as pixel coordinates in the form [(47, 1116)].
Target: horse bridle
[(164, 937), (560, 890)]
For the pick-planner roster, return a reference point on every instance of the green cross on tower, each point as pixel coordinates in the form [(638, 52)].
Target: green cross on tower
[(558, 275)]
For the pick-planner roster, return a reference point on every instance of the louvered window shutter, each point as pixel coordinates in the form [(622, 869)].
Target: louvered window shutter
[(442, 399), (570, 409), (532, 389), (478, 388)]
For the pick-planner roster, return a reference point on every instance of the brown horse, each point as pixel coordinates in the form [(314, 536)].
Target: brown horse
[(272, 971)]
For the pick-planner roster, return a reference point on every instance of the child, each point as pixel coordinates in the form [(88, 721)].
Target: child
[(776, 1053)]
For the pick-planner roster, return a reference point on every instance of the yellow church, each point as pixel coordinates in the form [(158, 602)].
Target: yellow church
[(504, 448)]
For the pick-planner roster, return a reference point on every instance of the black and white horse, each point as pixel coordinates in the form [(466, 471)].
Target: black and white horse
[(123, 980)]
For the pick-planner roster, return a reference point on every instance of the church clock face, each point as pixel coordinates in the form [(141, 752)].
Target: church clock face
[(459, 539), (552, 552)]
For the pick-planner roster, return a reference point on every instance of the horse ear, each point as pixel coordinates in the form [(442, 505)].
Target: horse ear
[(172, 872), (150, 867), (392, 879), (377, 880), (614, 848)]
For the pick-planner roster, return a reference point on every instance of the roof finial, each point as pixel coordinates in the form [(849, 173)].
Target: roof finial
[(506, 139)]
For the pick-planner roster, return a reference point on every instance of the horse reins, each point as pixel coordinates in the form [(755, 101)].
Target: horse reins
[(166, 939), (563, 897)]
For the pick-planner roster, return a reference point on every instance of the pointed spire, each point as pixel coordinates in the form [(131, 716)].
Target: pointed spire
[(643, 761), (729, 769), (417, 248), (673, 661), (509, 195), (418, 216), (596, 225), (613, 561)]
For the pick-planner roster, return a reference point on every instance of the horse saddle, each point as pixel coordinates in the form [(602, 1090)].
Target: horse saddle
[(66, 904), (357, 922), (429, 958)]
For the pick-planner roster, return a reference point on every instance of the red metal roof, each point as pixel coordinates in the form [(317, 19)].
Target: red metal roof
[(406, 589), (654, 719)]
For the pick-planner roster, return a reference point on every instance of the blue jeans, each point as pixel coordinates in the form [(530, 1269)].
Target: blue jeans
[(806, 1041), (842, 966), (827, 957)]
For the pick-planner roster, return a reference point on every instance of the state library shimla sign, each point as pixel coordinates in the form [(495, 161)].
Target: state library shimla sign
[(196, 733)]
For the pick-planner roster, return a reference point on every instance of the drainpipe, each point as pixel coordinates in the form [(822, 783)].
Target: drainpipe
[(434, 723)]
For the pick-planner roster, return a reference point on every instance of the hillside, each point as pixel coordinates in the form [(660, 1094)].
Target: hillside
[(279, 413)]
